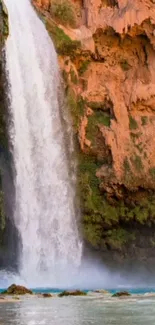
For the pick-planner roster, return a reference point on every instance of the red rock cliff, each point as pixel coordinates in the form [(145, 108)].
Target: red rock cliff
[(112, 77)]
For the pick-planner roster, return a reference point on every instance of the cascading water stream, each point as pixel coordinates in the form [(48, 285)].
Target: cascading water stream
[(44, 213)]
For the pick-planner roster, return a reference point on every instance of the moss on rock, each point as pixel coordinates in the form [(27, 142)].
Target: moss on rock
[(98, 118), (4, 25), (72, 293), (46, 295), (64, 11), (17, 290), (76, 106), (121, 294), (63, 43), (112, 210), (106, 223)]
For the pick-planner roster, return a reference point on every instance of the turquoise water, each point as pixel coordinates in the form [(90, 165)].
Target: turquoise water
[(89, 310), (112, 291), (131, 290)]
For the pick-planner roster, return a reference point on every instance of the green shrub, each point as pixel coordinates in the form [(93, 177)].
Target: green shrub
[(64, 11), (144, 120), (137, 162), (132, 123), (98, 118), (139, 146), (74, 77), (135, 136), (92, 234), (125, 65), (126, 165), (117, 238), (76, 107), (84, 66)]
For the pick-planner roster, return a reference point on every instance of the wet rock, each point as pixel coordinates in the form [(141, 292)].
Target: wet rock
[(46, 295), (16, 298), (17, 290), (101, 291), (121, 294), (72, 293)]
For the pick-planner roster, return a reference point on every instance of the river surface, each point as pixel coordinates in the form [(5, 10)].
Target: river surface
[(79, 311)]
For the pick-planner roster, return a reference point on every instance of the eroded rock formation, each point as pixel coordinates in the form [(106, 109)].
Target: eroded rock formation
[(108, 66)]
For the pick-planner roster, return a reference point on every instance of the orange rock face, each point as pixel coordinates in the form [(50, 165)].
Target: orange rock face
[(43, 3), (123, 71), (113, 74), (126, 77)]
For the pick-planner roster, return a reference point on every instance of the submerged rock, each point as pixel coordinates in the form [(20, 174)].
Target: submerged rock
[(46, 295), (17, 290), (16, 298), (121, 294), (72, 293), (101, 291)]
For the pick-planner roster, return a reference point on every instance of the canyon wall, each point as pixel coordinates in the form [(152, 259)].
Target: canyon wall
[(8, 233), (106, 51)]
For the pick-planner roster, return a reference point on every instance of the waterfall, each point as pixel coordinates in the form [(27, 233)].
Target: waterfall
[(44, 213)]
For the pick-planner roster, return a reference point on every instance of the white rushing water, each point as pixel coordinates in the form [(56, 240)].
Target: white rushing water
[(44, 211)]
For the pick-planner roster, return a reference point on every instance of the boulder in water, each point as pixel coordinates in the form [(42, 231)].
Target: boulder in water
[(101, 291), (17, 290), (121, 294), (46, 295), (72, 293)]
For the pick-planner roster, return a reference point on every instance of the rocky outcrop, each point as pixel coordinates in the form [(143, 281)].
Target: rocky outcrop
[(17, 290), (72, 293), (110, 85), (121, 294), (46, 295)]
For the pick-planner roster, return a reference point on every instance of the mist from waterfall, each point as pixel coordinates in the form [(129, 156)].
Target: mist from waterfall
[(45, 214)]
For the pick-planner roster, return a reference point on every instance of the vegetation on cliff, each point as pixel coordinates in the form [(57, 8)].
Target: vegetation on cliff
[(112, 105), (4, 26), (64, 12), (63, 43)]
